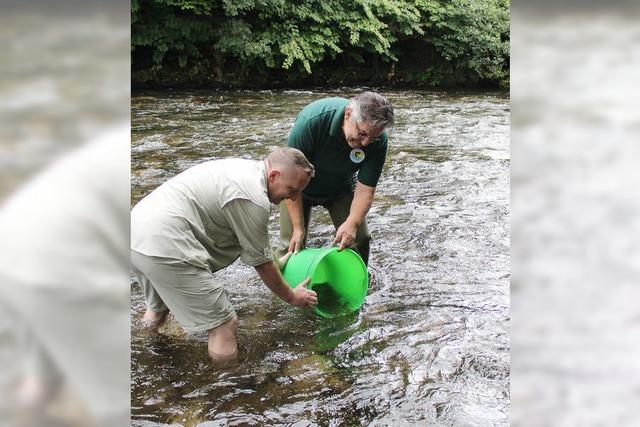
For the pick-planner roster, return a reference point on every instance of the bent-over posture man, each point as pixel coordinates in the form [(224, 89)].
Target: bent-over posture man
[(199, 222), (346, 143)]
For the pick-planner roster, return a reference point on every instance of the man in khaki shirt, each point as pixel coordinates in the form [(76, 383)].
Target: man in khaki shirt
[(201, 221)]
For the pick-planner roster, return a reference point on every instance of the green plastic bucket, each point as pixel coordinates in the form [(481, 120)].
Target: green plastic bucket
[(339, 278)]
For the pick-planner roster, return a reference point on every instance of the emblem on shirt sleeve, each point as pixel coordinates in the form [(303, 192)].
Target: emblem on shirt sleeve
[(357, 155)]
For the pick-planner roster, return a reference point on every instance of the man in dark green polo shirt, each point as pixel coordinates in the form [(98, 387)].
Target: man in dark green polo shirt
[(346, 143)]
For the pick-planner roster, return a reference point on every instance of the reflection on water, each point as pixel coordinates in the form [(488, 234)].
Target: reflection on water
[(430, 343)]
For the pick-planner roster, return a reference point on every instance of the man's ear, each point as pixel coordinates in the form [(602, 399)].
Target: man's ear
[(273, 174), (347, 112)]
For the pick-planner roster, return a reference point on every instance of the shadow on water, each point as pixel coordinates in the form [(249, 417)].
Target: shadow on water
[(429, 345)]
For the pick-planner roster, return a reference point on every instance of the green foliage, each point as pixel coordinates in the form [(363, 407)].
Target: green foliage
[(227, 39), (472, 35)]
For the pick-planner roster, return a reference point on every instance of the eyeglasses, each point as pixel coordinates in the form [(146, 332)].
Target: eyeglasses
[(361, 134)]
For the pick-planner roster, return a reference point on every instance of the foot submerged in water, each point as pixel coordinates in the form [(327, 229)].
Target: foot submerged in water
[(151, 320)]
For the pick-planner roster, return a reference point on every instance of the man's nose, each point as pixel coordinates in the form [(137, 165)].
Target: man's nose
[(365, 141)]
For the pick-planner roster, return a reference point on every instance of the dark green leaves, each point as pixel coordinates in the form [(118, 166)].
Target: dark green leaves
[(294, 37)]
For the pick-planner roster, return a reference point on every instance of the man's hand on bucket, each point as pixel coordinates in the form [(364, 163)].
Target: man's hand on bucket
[(345, 236), (282, 261), (303, 297), (297, 241)]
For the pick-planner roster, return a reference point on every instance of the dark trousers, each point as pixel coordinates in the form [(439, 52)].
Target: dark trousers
[(338, 211)]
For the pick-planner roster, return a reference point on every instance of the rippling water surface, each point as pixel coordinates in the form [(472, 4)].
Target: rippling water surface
[(430, 344)]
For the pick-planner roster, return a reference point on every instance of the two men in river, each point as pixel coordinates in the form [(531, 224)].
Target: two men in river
[(203, 219)]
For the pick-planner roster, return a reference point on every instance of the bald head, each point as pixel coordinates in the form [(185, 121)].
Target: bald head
[(287, 159), (288, 172)]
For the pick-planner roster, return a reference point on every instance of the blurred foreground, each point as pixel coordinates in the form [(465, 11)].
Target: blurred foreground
[(575, 210), (64, 195)]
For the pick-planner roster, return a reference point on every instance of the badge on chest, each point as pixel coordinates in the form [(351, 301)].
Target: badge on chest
[(356, 155)]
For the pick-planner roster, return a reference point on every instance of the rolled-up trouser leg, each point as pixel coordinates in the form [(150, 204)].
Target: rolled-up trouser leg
[(339, 211), (151, 297), (194, 296), (286, 228)]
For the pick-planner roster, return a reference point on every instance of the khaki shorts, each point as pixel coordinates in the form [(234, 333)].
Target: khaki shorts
[(196, 299)]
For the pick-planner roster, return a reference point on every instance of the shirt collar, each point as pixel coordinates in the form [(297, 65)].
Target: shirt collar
[(265, 177)]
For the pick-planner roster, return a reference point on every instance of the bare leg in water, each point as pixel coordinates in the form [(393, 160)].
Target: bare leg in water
[(222, 346)]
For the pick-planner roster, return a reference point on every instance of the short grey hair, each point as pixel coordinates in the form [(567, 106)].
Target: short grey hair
[(291, 157), (372, 108)]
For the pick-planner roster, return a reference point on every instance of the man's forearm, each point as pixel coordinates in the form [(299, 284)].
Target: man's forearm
[(294, 208), (271, 277), (362, 200)]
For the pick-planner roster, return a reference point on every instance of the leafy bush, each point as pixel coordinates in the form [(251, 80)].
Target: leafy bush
[(431, 41)]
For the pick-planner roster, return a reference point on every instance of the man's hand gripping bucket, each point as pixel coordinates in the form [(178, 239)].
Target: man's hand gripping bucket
[(339, 278)]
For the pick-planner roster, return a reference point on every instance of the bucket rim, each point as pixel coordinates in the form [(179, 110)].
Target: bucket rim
[(323, 252)]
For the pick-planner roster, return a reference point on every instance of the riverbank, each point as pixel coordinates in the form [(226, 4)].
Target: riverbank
[(392, 79)]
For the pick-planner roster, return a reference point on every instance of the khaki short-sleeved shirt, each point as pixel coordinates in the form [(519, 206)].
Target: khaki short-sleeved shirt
[(207, 216)]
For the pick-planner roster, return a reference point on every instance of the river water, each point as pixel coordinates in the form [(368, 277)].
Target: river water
[(430, 344)]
